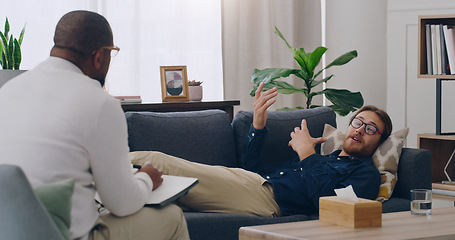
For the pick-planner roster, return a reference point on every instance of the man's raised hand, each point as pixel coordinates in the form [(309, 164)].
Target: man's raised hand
[(302, 142), (262, 101)]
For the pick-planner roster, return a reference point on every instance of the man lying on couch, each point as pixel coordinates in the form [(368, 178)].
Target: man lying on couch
[(296, 186)]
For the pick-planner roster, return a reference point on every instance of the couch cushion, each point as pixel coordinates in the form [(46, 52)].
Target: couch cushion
[(280, 124), (198, 136), (56, 198)]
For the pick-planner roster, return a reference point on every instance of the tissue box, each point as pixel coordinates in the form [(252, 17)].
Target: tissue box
[(348, 213)]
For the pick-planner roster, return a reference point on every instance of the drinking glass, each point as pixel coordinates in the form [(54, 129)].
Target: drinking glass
[(421, 202)]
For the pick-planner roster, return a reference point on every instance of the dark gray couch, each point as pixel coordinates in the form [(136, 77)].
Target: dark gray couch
[(209, 137)]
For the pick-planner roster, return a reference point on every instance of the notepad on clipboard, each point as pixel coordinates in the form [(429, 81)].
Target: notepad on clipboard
[(172, 188)]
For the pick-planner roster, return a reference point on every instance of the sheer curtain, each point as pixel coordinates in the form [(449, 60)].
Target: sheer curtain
[(150, 33), (249, 42)]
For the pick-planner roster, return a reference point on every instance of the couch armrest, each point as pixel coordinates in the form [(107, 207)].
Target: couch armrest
[(22, 215), (414, 171)]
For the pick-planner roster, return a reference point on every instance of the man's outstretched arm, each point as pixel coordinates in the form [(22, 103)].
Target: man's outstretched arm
[(252, 152)]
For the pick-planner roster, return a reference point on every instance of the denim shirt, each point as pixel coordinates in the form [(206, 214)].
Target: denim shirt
[(298, 184)]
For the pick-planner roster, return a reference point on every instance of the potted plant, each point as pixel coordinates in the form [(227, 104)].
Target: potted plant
[(11, 55), (344, 101), (195, 90)]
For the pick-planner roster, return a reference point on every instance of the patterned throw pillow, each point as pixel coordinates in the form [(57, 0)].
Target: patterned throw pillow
[(385, 158)]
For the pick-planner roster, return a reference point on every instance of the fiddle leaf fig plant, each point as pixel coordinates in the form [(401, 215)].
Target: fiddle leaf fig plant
[(344, 101), (10, 48)]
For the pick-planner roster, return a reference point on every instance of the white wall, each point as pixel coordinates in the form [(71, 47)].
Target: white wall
[(411, 101), (150, 34), (358, 25)]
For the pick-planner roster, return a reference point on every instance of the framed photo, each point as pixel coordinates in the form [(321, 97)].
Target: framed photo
[(174, 83)]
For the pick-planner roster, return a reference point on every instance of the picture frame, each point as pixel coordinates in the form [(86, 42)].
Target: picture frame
[(174, 83)]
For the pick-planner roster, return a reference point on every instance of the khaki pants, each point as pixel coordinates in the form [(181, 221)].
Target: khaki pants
[(220, 189), (148, 223)]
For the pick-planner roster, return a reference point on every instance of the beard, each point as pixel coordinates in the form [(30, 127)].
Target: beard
[(357, 150)]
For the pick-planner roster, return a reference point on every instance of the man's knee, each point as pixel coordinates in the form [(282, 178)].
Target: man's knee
[(141, 157), (174, 214)]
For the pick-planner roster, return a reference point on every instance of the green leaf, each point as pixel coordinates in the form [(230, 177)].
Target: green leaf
[(1, 52), (315, 58), (282, 37), (4, 41), (4, 62), (21, 36), (269, 74), (315, 83), (6, 28), (286, 88), (302, 59), (17, 55), (9, 53), (299, 54), (282, 87), (343, 59), (341, 111), (344, 98)]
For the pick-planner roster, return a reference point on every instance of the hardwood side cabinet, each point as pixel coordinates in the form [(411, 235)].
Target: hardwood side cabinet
[(441, 148)]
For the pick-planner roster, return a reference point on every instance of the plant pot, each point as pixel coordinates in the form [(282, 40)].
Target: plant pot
[(195, 93), (6, 75)]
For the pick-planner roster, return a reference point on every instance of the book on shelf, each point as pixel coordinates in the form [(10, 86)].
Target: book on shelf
[(172, 188), (129, 99), (428, 48), (450, 46), (444, 59), (440, 49)]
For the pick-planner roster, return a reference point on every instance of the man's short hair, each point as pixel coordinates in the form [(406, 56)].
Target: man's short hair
[(82, 32), (384, 118)]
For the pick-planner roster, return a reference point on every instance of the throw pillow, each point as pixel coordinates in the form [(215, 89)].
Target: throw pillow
[(56, 198), (385, 157)]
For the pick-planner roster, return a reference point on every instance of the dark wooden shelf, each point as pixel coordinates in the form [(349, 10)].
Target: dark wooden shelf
[(441, 148), (422, 52)]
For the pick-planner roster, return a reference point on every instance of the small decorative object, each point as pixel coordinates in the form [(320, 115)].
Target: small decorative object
[(10, 49), (195, 90), (344, 101), (174, 83)]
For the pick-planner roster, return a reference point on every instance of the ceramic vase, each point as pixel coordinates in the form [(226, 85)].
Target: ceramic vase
[(195, 93)]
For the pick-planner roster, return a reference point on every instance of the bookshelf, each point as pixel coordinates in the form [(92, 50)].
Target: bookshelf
[(422, 53), (423, 71)]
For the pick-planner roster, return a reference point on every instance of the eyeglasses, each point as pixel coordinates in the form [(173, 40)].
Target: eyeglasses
[(369, 128), (114, 50)]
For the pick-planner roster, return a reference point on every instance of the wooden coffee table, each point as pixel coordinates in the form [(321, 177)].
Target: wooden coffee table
[(399, 225)]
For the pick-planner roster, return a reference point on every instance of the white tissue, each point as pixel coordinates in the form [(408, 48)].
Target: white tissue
[(347, 193)]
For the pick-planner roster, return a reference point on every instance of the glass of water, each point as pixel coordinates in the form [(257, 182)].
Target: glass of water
[(421, 202)]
